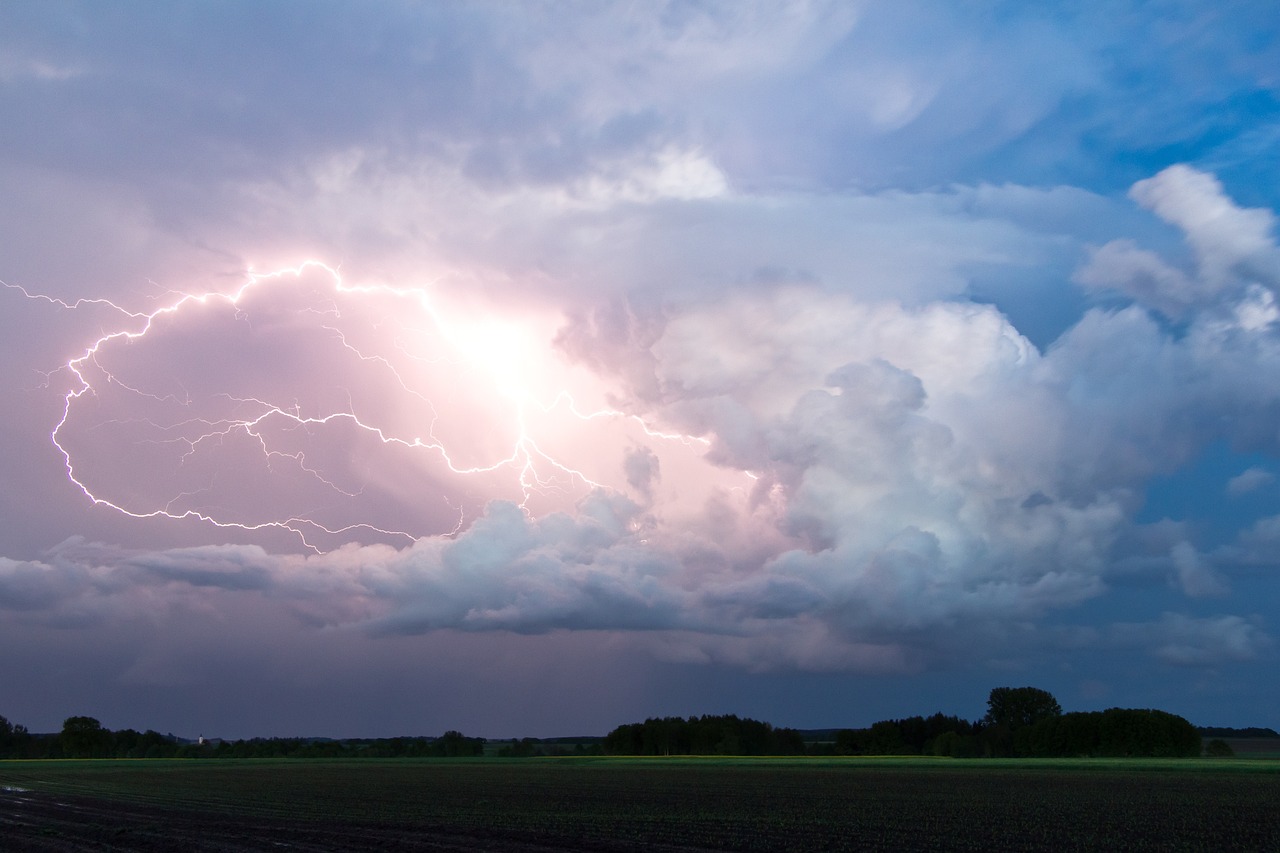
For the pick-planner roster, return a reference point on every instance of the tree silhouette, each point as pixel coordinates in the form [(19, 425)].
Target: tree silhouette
[(1015, 707), (84, 737)]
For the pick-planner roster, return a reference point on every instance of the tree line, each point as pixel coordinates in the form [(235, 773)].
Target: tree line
[(1020, 722), (705, 735), (452, 744), (85, 737), (1028, 722)]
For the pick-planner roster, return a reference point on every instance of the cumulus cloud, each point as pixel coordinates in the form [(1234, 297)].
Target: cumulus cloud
[(1140, 274), (232, 567), (1233, 247), (1228, 241), (818, 476), (1255, 546), (1176, 639), (1199, 642), (1194, 575), (1249, 480), (27, 585), (81, 577)]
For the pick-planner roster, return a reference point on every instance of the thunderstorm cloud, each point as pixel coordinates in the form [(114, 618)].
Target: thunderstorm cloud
[(685, 350)]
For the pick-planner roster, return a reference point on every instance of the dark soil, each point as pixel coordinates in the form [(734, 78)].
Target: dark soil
[(537, 806), (32, 821)]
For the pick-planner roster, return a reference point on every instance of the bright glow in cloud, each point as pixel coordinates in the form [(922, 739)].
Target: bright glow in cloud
[(300, 403)]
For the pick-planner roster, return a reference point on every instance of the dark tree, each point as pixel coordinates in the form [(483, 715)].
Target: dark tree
[(852, 742), (152, 744), (525, 747), (23, 744), (454, 744), (84, 737), (1146, 732), (1015, 707), (955, 745), (705, 735), (885, 738), (1115, 733), (939, 734), (6, 738)]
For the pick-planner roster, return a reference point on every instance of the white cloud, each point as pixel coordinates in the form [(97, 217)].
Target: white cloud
[(1210, 641), (1194, 575), (667, 174), (1141, 275), (1249, 480), (1234, 250), (1229, 241), (28, 585)]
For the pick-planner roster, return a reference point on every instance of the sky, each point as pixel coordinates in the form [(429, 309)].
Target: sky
[(529, 369)]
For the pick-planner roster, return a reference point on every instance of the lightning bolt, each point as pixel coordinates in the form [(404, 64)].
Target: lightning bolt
[(268, 423)]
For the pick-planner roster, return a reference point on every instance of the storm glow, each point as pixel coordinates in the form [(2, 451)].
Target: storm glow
[(338, 412)]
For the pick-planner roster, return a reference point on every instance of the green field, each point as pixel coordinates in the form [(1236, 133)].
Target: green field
[(796, 804)]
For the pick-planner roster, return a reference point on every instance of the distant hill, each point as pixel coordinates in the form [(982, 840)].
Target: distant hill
[(1225, 732)]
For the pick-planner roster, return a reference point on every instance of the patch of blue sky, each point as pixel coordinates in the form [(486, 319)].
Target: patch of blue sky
[(1041, 305), (1220, 493)]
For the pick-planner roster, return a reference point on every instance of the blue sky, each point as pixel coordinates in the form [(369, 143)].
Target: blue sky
[(527, 370)]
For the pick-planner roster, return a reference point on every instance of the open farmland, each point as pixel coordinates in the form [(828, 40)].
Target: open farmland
[(631, 804)]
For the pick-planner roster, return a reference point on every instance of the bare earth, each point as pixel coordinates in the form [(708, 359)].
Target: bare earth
[(32, 821), (625, 807)]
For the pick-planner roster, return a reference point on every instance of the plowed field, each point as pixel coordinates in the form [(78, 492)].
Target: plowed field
[(624, 805)]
